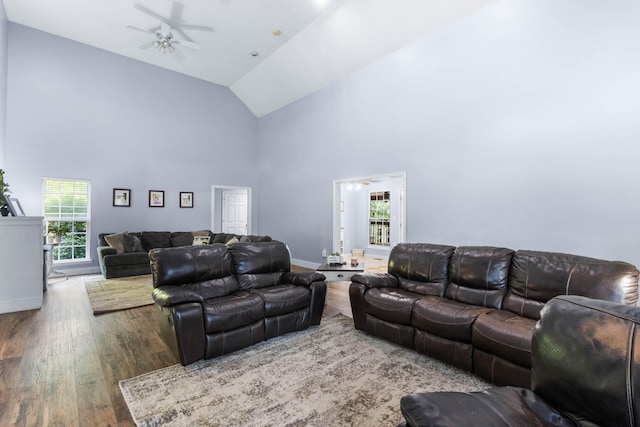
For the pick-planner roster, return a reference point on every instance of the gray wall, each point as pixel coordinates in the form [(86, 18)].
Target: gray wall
[(3, 82), (517, 126), (79, 112)]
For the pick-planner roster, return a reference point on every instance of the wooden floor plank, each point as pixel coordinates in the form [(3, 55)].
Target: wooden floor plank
[(61, 365)]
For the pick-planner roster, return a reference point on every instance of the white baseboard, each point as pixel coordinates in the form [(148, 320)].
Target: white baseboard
[(76, 271)]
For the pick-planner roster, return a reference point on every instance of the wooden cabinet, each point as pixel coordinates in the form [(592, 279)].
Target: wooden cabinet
[(21, 263)]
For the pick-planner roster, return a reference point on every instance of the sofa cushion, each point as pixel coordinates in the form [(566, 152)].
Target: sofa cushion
[(283, 299), (219, 238), (116, 241), (232, 311), (208, 266), (445, 318), (181, 239), (131, 258), (536, 277), (390, 304), (132, 244), (260, 264), (421, 267), (497, 407), (478, 275), (156, 239), (506, 335)]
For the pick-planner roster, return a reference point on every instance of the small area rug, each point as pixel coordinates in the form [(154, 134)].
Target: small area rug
[(107, 295), (327, 375)]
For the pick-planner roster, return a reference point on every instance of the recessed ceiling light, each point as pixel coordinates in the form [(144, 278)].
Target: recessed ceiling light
[(254, 53), (277, 32)]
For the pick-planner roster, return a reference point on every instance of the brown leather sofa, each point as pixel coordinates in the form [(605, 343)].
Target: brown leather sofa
[(476, 307), (213, 299), (585, 359)]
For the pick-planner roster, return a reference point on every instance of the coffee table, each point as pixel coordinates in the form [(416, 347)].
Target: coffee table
[(339, 273)]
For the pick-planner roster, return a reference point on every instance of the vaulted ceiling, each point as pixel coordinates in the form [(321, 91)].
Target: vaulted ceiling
[(268, 52)]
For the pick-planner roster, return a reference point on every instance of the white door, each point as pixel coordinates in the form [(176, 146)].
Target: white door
[(234, 212)]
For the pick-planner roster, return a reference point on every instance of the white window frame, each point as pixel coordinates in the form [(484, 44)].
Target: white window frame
[(62, 217), (378, 243)]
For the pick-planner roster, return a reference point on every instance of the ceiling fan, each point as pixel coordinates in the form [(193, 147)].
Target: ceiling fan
[(165, 33)]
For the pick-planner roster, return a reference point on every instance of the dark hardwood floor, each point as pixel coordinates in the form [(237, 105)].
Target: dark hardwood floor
[(60, 365)]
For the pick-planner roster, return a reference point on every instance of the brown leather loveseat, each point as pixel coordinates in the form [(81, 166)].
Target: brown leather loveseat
[(213, 299), (585, 373), (476, 307)]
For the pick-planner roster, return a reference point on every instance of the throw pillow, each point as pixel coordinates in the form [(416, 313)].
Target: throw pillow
[(132, 244), (244, 239), (232, 241), (116, 241), (201, 240)]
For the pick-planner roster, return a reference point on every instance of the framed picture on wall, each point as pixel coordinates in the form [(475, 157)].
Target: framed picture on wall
[(156, 199), (122, 197), (186, 199)]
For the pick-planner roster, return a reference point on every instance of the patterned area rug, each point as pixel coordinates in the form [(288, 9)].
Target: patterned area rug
[(107, 295), (327, 375)]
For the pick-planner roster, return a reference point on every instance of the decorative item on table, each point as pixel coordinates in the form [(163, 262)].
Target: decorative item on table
[(334, 258), (354, 262)]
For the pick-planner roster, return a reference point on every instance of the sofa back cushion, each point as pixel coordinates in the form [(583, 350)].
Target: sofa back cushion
[(205, 269), (260, 264), (478, 275), (421, 267), (156, 239), (536, 277)]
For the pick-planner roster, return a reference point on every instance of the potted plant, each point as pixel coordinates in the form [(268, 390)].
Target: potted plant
[(4, 191), (56, 230)]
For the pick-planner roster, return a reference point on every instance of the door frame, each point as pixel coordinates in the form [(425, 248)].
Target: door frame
[(337, 197), (216, 208)]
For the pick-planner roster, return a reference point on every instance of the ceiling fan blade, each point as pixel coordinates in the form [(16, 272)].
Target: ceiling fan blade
[(183, 34), (146, 45), (151, 13), (186, 43), (176, 12), (197, 28), (165, 28), (151, 31)]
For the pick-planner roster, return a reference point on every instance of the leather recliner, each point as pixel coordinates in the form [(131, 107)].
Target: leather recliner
[(475, 307), (212, 300), (586, 372)]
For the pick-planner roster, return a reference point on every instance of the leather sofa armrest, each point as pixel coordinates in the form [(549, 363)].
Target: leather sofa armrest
[(375, 280), (302, 278), (169, 296)]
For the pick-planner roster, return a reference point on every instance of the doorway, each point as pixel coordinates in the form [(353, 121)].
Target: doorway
[(352, 224), (231, 209)]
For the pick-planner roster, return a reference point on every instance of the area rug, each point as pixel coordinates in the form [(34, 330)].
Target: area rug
[(327, 375), (108, 295)]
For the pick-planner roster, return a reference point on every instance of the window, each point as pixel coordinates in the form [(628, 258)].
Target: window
[(379, 218), (66, 209)]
